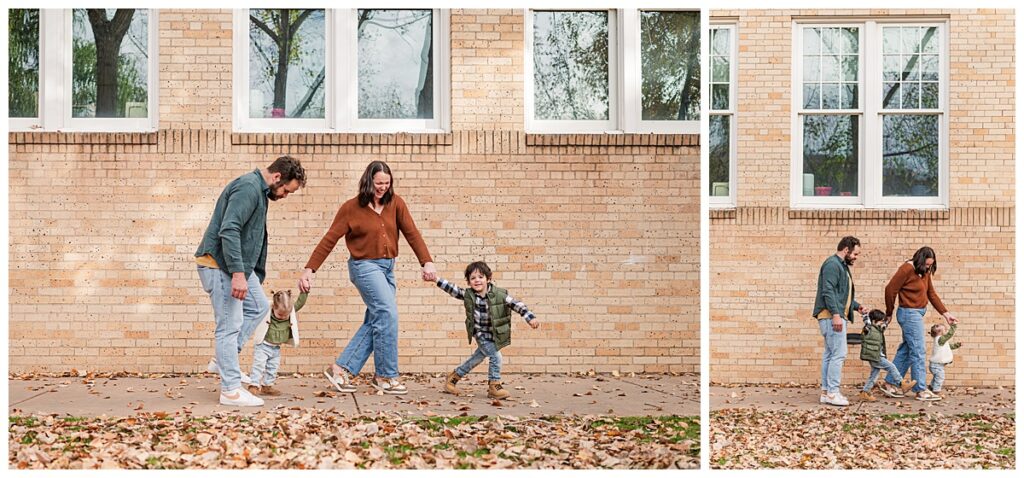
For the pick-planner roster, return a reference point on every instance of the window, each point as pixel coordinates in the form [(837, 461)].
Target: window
[(721, 120), (870, 123), (575, 84), (341, 70), (95, 70)]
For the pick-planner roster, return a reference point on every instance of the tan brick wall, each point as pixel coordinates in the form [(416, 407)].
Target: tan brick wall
[(765, 258), (600, 241)]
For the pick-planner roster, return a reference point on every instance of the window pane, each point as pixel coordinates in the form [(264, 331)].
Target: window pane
[(23, 63), (891, 68), (812, 96), (911, 96), (910, 155), (286, 63), (396, 64), (929, 95), (720, 69), (890, 40), (670, 65), (930, 40), (570, 59), (812, 41), (930, 67), (836, 72), (830, 155), (891, 95), (718, 169), (110, 69), (720, 43), (720, 97), (913, 69), (911, 72)]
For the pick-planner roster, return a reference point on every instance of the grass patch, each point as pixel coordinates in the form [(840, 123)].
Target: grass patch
[(74, 419), (1005, 451), (438, 423), (899, 416), (670, 428), (24, 421)]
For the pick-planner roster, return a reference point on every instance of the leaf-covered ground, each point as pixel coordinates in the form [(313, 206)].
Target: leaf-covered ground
[(311, 438), (744, 438)]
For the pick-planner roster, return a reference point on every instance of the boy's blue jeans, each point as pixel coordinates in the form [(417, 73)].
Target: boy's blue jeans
[(266, 358), (910, 354), (375, 280), (938, 375), (883, 364), (485, 348), (235, 320)]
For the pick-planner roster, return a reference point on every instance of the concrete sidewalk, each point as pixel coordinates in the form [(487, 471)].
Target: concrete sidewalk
[(535, 395), (958, 400)]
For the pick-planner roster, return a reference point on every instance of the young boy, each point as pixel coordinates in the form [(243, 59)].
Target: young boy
[(488, 319), (942, 354), (872, 350), (280, 327)]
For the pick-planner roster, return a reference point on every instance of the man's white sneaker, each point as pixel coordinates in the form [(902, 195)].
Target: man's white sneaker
[(242, 399), (214, 367), (836, 399)]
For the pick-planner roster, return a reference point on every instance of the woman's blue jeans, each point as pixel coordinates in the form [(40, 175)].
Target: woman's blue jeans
[(375, 280), (911, 353)]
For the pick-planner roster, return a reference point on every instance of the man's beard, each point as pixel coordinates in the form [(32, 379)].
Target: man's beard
[(272, 194), (847, 260)]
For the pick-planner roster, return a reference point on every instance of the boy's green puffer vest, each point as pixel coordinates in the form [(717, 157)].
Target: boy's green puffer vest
[(501, 323), (873, 344)]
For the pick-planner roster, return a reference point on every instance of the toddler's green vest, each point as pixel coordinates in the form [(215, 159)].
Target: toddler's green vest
[(501, 323)]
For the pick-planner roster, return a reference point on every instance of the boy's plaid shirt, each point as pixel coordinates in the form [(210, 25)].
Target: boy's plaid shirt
[(481, 316)]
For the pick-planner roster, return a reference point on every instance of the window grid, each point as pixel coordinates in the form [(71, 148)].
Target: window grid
[(722, 51)]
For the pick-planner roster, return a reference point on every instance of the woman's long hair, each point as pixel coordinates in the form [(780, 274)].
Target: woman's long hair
[(366, 183), (920, 258)]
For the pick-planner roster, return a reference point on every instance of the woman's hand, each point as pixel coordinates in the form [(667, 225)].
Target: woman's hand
[(306, 281), (950, 319), (429, 273)]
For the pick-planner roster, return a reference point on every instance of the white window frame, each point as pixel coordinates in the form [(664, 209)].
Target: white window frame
[(341, 87), (55, 81), (725, 202), (614, 80), (632, 85), (870, 161)]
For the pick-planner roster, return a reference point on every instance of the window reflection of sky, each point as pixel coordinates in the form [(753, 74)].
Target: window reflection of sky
[(391, 46), (302, 71)]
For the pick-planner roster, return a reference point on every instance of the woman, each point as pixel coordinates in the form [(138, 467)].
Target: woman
[(913, 284), (370, 223)]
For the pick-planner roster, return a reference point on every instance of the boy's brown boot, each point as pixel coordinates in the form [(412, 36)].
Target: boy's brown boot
[(907, 384), (270, 391), (866, 396), (449, 383), (254, 389), (494, 390)]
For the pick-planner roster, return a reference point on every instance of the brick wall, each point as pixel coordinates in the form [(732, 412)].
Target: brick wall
[(765, 257), (597, 234)]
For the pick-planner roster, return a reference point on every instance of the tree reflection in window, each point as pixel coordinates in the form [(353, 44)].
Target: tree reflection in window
[(110, 63), (23, 63), (570, 56), (670, 65), (396, 64), (286, 63)]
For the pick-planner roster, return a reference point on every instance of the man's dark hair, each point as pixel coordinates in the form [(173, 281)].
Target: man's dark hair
[(848, 242), (366, 183), (920, 258), (478, 266), (290, 169)]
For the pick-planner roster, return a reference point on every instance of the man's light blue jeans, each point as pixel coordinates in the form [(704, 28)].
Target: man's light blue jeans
[(375, 280), (910, 354), (833, 357), (485, 348), (235, 320)]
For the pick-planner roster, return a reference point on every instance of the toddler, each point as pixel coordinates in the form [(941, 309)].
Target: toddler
[(488, 319), (942, 354), (278, 328)]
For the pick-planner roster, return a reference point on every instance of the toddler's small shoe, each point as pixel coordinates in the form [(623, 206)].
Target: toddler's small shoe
[(907, 384), (495, 390), (269, 391), (450, 383), (254, 389), (866, 396)]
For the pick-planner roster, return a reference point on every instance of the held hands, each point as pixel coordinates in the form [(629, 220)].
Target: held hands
[(429, 273), (950, 319), (534, 323), (863, 310), (239, 286), (306, 280)]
